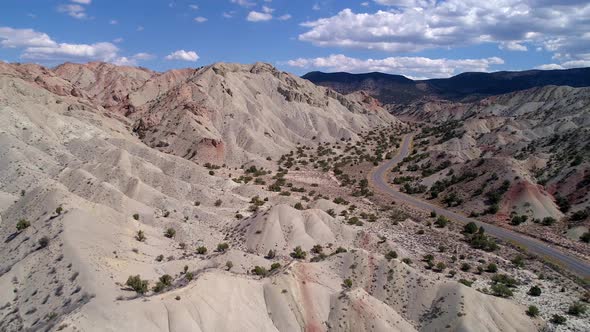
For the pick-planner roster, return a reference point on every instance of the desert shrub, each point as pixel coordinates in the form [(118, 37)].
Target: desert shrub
[(517, 220), (466, 282), (548, 221), (218, 202), (441, 221), (140, 236), (563, 203), (470, 228), (391, 255), (579, 215), (585, 237), (201, 250), (43, 242), (577, 309), (58, 210), (518, 261), (439, 267), (275, 266), (347, 283), (137, 284), (259, 271), (317, 249), (271, 254), (492, 268), (22, 224), (534, 291), (298, 253), (339, 250), (170, 233), (229, 265), (533, 311), (465, 267), (558, 319), (501, 290), (407, 261), (136, 216), (222, 247), (160, 258), (505, 280), (298, 206)]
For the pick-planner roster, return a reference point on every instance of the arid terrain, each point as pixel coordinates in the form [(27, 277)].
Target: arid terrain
[(237, 198)]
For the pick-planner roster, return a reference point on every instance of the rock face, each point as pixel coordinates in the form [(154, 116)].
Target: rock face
[(92, 156), (223, 113)]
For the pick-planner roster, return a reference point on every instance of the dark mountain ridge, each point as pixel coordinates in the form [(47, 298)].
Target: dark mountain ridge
[(398, 89)]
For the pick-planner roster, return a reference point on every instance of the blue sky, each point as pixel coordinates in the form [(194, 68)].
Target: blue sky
[(416, 38)]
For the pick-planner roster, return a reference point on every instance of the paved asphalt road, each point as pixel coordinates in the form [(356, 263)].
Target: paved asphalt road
[(576, 265)]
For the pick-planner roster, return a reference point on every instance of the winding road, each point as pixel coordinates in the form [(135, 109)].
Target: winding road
[(557, 256)]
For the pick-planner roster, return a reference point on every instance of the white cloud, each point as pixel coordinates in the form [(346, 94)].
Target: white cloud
[(40, 47), (84, 2), (118, 40), (244, 3), (193, 7), (316, 7), (408, 66), (183, 55), (255, 16), (284, 17), (549, 66), (12, 38), (75, 11), (415, 25), (113, 22), (228, 14), (512, 46), (133, 60), (200, 19)]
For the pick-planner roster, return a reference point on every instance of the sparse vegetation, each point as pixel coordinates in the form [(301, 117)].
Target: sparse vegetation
[(140, 236), (22, 224), (298, 253), (137, 284), (170, 233)]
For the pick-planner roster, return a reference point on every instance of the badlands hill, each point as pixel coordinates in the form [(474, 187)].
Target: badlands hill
[(397, 89), (109, 172), (521, 154)]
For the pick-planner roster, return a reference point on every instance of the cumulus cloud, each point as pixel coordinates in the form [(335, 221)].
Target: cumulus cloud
[(255, 16), (133, 60), (183, 55), (84, 2), (75, 11), (244, 3), (415, 67), (40, 47), (415, 25), (200, 19)]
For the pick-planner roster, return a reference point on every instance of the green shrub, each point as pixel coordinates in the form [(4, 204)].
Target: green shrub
[(585, 237), (577, 309), (275, 266), (43, 242), (347, 283), (533, 311), (136, 216), (222, 247), (58, 210), (441, 222), (201, 250), (440, 266), (22, 224), (466, 282), (501, 290), (170, 233), (465, 267), (259, 271), (548, 221), (229, 265), (534, 291), (470, 228), (140, 236), (298, 253), (271, 254), (298, 206), (218, 202), (137, 284), (391, 255), (558, 319), (492, 268)]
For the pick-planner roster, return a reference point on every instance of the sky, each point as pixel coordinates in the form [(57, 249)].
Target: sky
[(415, 38)]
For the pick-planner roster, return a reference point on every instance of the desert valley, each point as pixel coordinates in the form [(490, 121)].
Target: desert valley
[(240, 197)]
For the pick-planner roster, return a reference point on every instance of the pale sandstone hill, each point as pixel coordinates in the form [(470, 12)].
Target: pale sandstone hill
[(60, 149)]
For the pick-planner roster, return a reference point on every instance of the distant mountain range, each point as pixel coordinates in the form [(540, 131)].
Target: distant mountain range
[(398, 89)]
